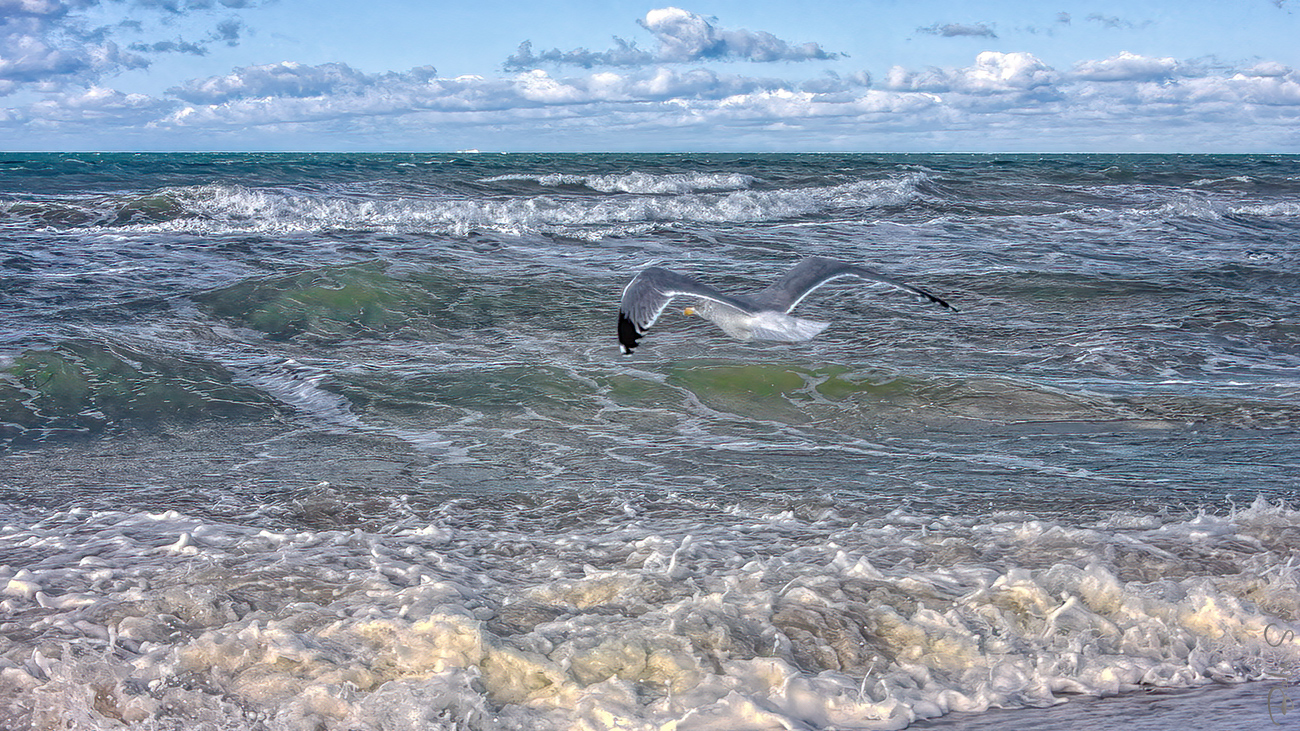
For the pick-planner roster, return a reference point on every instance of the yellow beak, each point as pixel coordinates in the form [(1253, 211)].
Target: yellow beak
[(688, 311)]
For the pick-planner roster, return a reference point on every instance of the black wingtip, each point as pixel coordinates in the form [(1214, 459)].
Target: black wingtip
[(942, 302), (933, 298), (628, 334)]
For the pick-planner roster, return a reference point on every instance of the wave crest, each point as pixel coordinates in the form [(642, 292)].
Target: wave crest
[(637, 182), (215, 209)]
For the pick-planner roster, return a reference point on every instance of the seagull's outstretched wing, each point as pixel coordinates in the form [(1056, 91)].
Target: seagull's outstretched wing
[(648, 294), (815, 271)]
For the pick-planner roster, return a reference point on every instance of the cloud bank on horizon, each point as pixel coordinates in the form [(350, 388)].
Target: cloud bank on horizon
[(701, 86)]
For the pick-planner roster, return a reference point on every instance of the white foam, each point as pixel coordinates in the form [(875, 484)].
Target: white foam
[(1191, 207), (231, 208), (869, 625), (639, 182), (1197, 207), (1283, 209)]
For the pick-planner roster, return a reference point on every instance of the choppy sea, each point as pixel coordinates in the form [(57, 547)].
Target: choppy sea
[(345, 443)]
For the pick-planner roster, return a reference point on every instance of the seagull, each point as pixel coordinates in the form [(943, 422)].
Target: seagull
[(760, 316)]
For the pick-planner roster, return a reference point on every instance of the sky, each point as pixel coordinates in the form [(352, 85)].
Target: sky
[(612, 75)]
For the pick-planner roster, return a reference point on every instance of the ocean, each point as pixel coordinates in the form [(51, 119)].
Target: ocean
[(346, 443)]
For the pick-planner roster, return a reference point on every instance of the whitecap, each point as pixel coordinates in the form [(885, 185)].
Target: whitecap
[(223, 209), (638, 182)]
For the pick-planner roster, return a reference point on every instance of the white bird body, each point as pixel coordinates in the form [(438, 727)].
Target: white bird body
[(761, 316), (765, 325)]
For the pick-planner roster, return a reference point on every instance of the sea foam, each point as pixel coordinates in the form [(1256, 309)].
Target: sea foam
[(163, 620), (638, 182), (228, 208)]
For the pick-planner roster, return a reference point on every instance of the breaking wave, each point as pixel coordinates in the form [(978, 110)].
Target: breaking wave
[(638, 182), (239, 208), (224, 208)]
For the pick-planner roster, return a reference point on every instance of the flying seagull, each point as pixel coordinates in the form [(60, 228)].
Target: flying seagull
[(760, 316)]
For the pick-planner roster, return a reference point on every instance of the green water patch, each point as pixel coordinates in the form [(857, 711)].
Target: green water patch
[(539, 305), (796, 383), (116, 210), (153, 208), (833, 395), (48, 213), (1007, 400), (788, 392), (836, 392), (489, 389), (365, 300), (760, 391), (332, 303), (83, 387), (637, 392)]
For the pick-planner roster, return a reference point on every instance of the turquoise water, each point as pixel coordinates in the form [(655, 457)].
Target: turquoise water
[(346, 441)]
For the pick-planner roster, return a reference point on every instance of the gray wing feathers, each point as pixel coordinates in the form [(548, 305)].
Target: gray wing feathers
[(813, 272), (648, 294)]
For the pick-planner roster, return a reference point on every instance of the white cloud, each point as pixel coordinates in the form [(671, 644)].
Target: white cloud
[(1228, 92), (833, 83), (49, 43), (1007, 101), (1127, 67), (289, 79), (11, 9), (39, 44), (686, 36), (682, 37), (288, 92), (625, 53), (96, 106), (1268, 68), (992, 73), (1269, 90)]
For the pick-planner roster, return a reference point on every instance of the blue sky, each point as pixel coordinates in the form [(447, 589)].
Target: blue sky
[(583, 75)]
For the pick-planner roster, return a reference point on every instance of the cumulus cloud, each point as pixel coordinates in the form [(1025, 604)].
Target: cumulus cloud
[(992, 73), (832, 83), (1128, 67), (1241, 93), (48, 43), (100, 100), (94, 107), (39, 45), (681, 37), (281, 92), (1268, 68), (954, 30), (1013, 101), (624, 53), (294, 80), (685, 36)]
